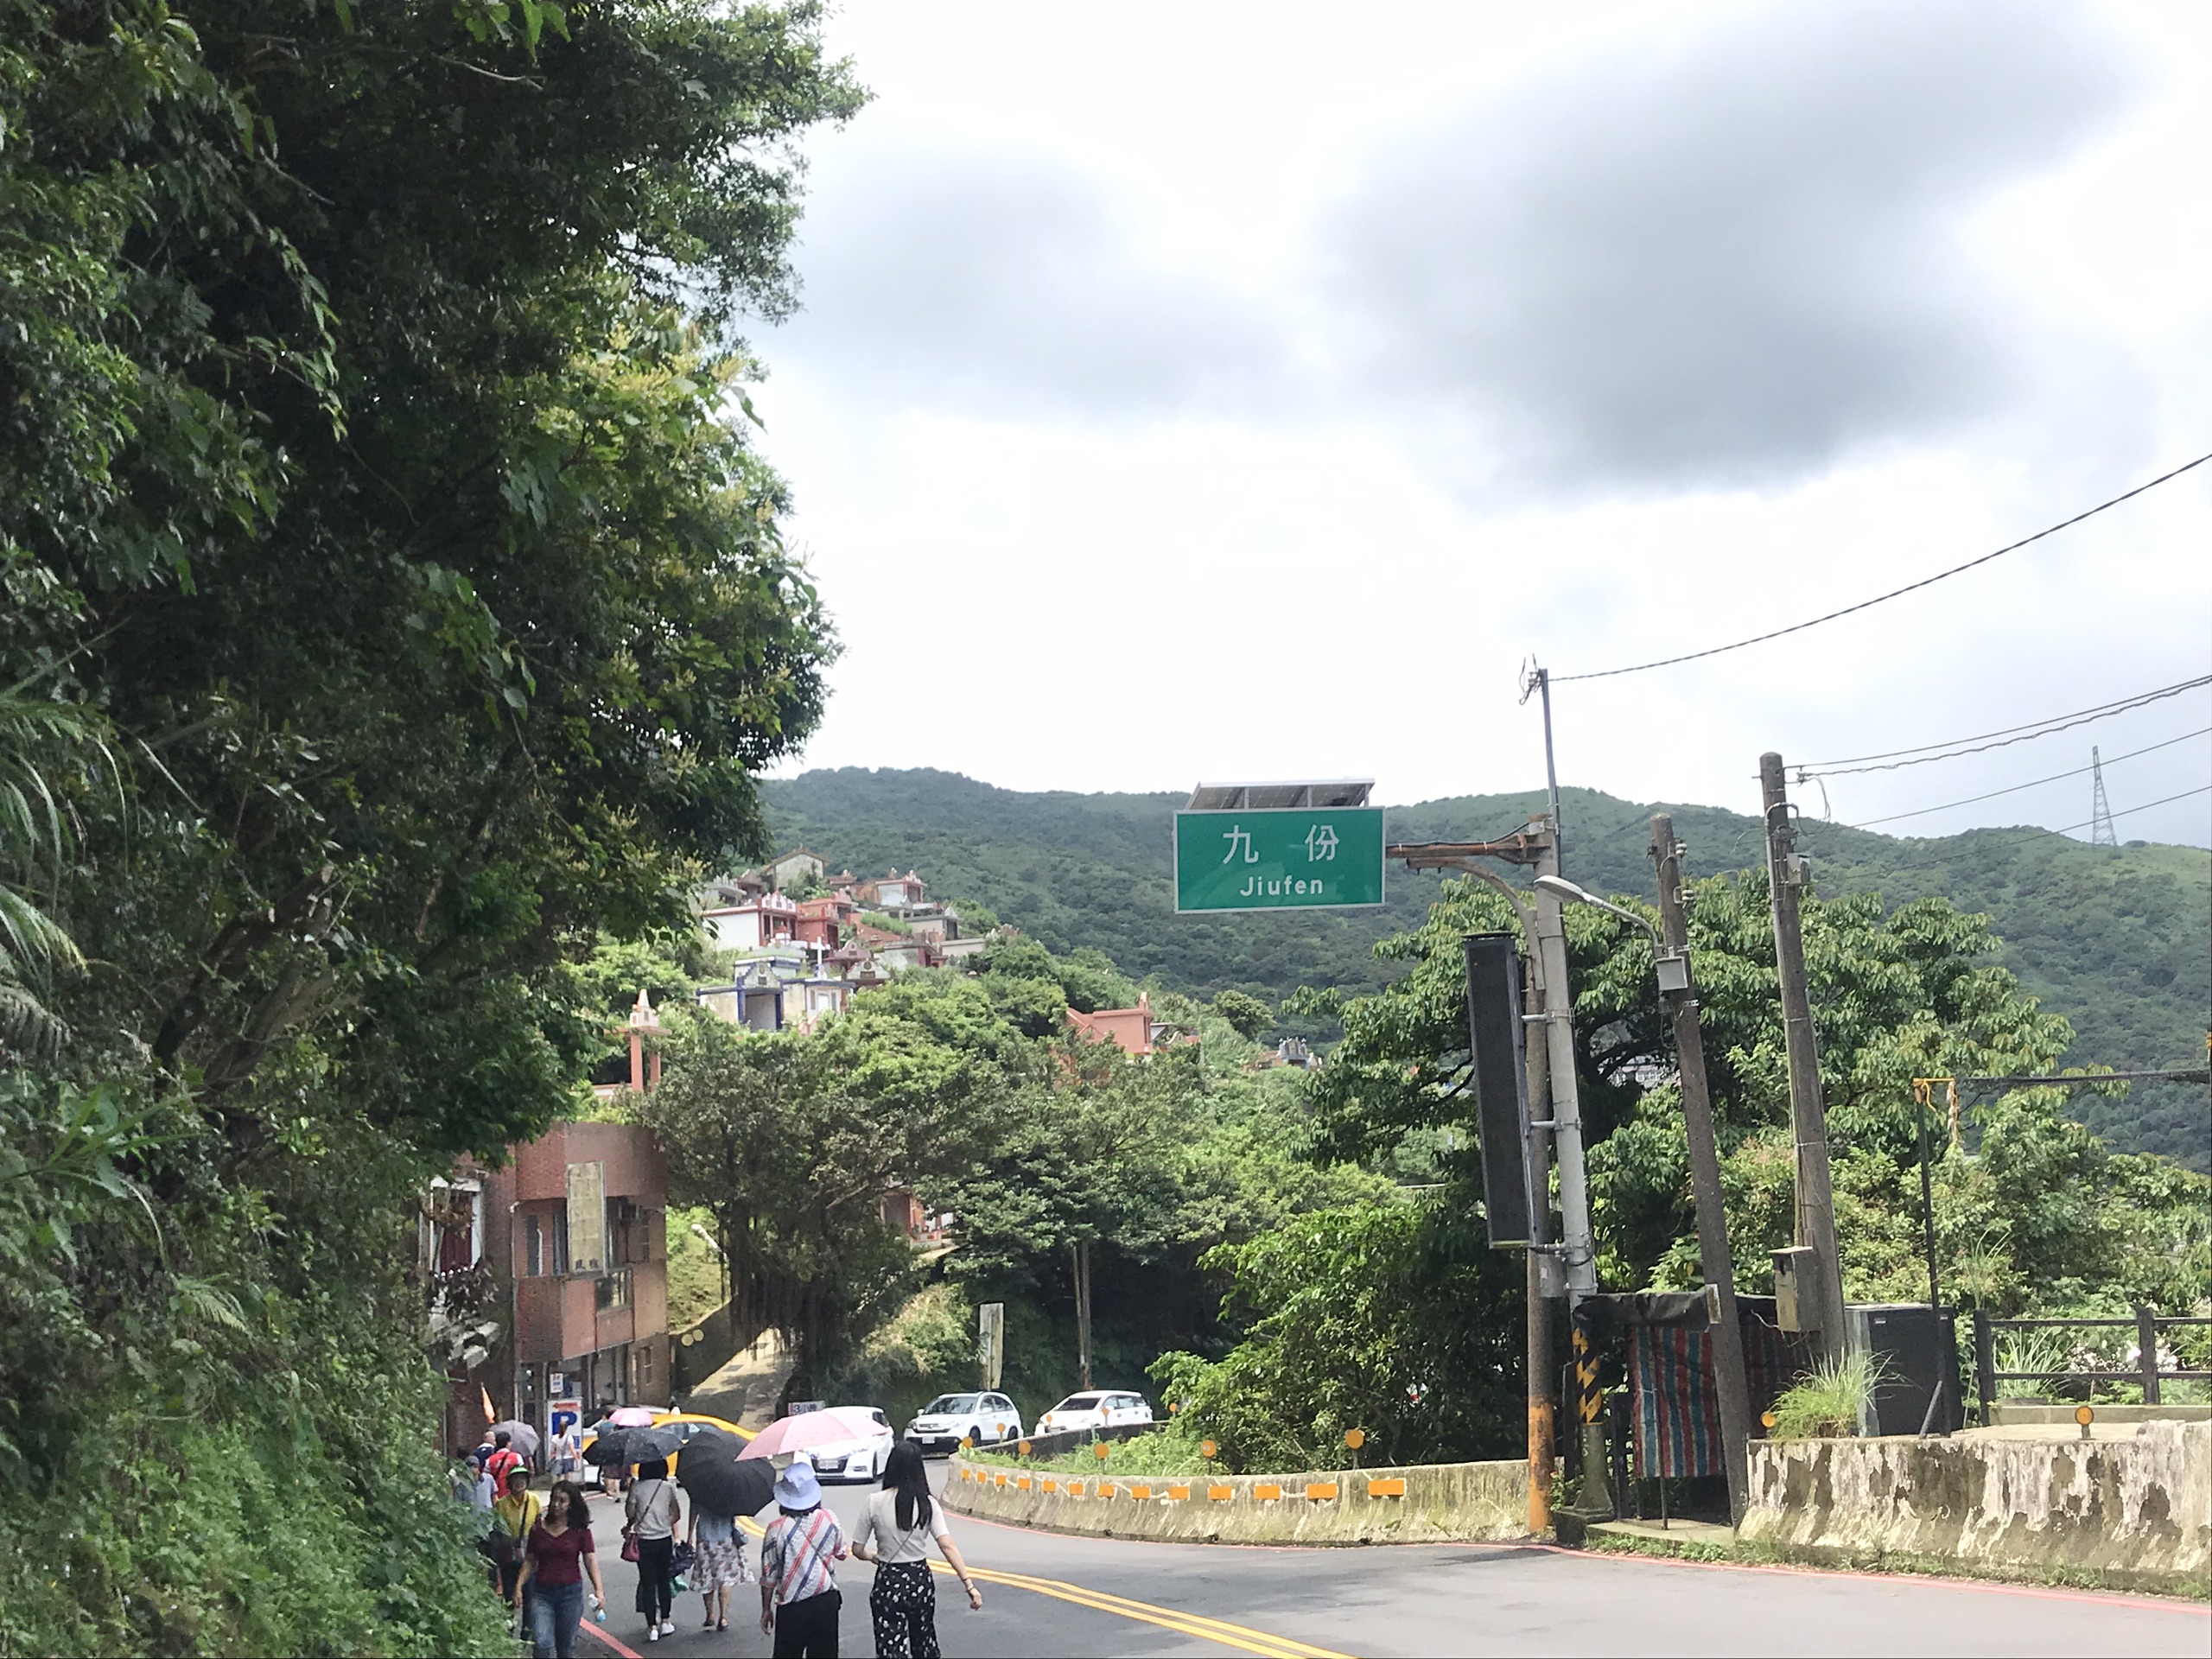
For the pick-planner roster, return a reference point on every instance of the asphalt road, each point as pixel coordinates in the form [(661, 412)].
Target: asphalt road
[(1101, 1596)]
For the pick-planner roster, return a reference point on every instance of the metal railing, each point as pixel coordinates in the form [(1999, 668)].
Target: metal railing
[(2146, 1325)]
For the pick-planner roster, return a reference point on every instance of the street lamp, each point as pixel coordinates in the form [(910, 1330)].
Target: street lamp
[(1673, 966)]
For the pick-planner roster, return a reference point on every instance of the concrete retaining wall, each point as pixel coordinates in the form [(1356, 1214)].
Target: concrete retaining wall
[(2137, 1511), (1432, 1504)]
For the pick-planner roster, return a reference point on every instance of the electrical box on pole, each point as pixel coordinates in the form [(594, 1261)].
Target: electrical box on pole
[(1494, 1034)]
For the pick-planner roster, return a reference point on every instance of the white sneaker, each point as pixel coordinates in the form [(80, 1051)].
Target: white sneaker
[(653, 1632), (668, 1627)]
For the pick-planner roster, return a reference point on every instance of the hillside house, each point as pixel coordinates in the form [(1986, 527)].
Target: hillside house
[(793, 869), (892, 893), (753, 925), (823, 921), (569, 1239), (1133, 1030)]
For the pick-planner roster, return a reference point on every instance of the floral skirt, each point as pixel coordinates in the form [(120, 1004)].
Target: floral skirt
[(904, 1606), (716, 1562)]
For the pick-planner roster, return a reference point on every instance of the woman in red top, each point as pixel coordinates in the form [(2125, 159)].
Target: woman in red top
[(557, 1560)]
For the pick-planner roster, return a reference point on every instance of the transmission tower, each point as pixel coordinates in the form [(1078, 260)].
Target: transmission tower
[(2101, 829)]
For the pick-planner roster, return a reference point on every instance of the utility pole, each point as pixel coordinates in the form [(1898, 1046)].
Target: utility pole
[(1549, 1050), (1732, 1385), (1577, 1249), (1543, 1410), (1807, 1109)]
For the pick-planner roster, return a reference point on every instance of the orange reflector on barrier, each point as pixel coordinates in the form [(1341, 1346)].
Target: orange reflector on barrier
[(1320, 1491), (1052, 1485), (1075, 1489), (998, 1480), (1267, 1494), (1022, 1482), (1394, 1487), (1221, 1493), (1178, 1494), (1142, 1494), (1105, 1488)]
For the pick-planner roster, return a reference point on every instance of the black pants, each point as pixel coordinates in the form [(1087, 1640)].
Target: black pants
[(808, 1629), (656, 1579), (904, 1606)]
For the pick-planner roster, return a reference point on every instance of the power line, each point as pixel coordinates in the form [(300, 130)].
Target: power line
[(1951, 749), (2025, 836), (1895, 593), (2014, 788)]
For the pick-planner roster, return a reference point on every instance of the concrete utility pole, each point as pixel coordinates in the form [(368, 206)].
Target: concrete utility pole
[(1731, 1386), (1807, 1109), (1577, 1250), (1543, 1405), (1533, 846)]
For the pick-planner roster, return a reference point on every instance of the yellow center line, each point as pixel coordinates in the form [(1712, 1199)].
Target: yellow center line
[(1242, 1637)]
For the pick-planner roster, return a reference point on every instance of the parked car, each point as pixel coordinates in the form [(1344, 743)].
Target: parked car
[(1101, 1408), (861, 1456), (951, 1417)]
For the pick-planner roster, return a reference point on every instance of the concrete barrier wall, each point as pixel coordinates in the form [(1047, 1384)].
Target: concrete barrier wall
[(1431, 1504), (2135, 1511)]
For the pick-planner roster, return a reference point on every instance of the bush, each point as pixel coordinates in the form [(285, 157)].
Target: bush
[(1825, 1403)]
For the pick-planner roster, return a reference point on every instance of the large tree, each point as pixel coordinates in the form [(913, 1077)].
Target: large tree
[(376, 494)]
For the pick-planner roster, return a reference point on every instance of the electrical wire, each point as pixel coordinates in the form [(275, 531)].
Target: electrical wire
[(1979, 848), (1951, 750), (2014, 788), (1895, 593)]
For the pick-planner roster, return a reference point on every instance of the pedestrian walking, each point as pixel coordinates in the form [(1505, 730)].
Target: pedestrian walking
[(558, 1560), (653, 1510), (895, 1533), (798, 1576), (568, 1452), (717, 1560), (502, 1458), (515, 1512)]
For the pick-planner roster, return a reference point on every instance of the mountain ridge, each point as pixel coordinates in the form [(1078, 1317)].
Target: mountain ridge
[(2120, 941)]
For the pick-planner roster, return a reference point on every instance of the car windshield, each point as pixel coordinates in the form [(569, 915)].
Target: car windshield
[(1080, 1402), (951, 1403)]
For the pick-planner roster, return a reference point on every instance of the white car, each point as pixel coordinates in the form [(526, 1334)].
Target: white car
[(1102, 1409), (951, 1417), (861, 1457)]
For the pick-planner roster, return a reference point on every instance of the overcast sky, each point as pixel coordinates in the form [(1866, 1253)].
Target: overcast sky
[(1209, 392)]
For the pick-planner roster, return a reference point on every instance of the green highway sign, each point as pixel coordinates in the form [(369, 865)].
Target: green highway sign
[(1296, 858)]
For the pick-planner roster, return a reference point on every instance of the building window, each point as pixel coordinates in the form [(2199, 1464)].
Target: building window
[(533, 1246), (561, 1242), (613, 1290), (646, 1364)]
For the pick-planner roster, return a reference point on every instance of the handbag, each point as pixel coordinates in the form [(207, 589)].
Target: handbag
[(682, 1559)]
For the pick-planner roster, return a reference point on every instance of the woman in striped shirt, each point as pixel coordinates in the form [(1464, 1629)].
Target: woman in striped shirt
[(798, 1577)]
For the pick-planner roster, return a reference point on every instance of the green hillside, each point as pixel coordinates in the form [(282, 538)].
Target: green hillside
[(2119, 942)]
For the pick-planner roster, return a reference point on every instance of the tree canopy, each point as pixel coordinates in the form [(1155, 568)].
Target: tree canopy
[(395, 604)]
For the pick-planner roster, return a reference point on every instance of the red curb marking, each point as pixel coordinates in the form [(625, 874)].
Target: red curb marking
[(590, 1629)]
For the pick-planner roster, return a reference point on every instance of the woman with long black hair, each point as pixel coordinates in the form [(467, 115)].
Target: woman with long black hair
[(895, 1534)]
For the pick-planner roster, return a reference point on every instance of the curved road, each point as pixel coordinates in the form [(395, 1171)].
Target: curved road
[(1047, 1594)]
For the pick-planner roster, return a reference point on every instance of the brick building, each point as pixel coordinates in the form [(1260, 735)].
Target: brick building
[(570, 1241)]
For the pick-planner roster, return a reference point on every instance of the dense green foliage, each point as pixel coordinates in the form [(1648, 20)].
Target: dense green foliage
[(970, 1087), (2117, 943), (393, 606)]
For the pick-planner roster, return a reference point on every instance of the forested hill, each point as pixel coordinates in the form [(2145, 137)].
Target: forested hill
[(2121, 943)]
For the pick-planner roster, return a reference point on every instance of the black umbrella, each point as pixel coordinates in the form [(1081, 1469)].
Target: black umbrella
[(626, 1445), (710, 1471)]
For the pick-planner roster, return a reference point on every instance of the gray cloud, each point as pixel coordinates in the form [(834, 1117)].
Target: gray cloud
[(1006, 284), (1729, 264)]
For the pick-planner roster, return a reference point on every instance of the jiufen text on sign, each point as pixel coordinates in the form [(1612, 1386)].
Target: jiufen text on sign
[(1301, 858)]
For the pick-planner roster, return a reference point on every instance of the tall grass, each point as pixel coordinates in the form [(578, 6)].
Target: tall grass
[(1825, 1403)]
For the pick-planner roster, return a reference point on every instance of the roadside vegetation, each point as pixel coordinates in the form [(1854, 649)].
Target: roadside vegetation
[(393, 606)]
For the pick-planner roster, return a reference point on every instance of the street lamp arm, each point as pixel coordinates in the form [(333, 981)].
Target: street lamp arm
[(1561, 887)]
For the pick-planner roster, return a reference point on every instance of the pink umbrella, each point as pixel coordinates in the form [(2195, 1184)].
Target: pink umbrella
[(632, 1417), (812, 1428)]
